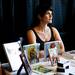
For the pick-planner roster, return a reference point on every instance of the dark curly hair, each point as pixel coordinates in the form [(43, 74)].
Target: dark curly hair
[(40, 10)]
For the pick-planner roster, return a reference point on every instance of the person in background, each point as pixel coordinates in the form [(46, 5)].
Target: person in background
[(42, 30)]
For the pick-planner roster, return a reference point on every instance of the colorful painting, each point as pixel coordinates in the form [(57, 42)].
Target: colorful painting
[(51, 48), (32, 52)]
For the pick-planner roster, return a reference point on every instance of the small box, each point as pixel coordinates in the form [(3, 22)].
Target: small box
[(59, 69), (63, 64)]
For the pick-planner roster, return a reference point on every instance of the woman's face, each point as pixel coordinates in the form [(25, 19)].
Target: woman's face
[(47, 17)]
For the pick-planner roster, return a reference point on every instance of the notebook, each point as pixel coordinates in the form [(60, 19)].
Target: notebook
[(12, 53), (40, 68)]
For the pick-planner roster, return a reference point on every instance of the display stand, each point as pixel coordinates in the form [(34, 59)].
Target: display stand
[(21, 56), (24, 59), (24, 65), (21, 67), (18, 72)]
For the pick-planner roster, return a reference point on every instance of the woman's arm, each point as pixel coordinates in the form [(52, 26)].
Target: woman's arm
[(31, 38), (58, 38)]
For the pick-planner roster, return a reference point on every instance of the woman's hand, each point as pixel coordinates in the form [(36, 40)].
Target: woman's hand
[(54, 59), (41, 54)]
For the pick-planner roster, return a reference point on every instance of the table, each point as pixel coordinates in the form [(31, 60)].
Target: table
[(71, 69)]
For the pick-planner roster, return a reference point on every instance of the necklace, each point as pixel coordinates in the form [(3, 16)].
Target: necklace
[(43, 35)]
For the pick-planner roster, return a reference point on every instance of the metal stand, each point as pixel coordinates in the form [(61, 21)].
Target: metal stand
[(18, 72)]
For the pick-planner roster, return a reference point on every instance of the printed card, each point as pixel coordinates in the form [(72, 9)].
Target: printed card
[(51, 48), (32, 52)]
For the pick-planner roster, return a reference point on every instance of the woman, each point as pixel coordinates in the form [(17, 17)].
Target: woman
[(42, 30)]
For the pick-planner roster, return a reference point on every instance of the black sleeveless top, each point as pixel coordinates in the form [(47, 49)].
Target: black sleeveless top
[(38, 40)]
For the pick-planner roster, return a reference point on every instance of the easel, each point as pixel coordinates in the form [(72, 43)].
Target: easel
[(22, 58), (18, 72), (21, 67)]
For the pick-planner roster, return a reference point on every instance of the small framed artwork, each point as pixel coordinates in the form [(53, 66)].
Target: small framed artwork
[(51, 48), (32, 52)]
